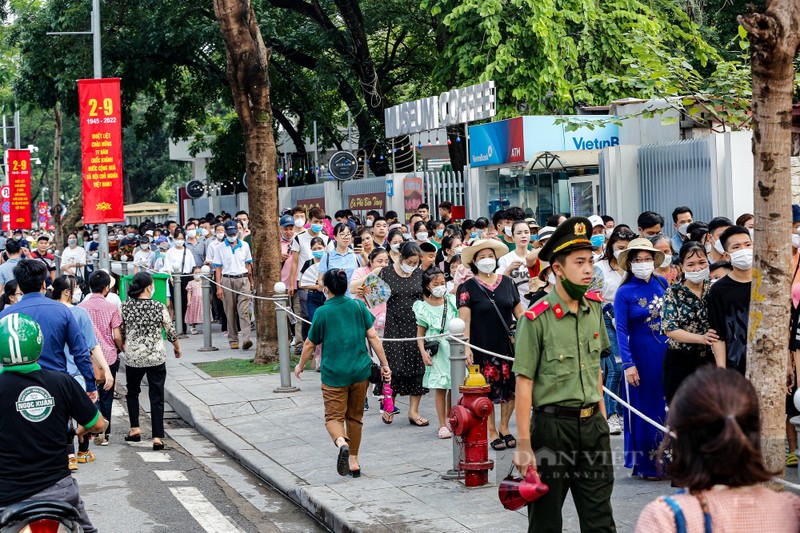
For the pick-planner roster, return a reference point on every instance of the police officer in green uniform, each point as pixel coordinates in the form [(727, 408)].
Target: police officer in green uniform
[(558, 350)]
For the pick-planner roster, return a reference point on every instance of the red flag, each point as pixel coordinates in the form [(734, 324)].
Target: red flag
[(19, 178)]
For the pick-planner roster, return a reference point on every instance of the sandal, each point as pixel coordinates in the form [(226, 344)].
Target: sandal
[(133, 438), (194, 331), (387, 418), (419, 422), (117, 395), (509, 439), (444, 433), (343, 461), (498, 444)]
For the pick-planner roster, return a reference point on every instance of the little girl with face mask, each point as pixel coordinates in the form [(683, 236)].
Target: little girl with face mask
[(433, 314)]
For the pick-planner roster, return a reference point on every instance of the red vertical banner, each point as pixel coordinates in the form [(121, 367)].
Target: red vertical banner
[(101, 150), (19, 179), (5, 207), (42, 215)]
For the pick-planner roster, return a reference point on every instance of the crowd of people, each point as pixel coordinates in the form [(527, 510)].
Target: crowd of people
[(553, 314)]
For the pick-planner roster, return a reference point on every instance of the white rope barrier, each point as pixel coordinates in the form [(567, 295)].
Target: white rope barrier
[(476, 349)]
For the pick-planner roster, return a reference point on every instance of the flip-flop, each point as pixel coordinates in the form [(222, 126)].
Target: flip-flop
[(498, 444), (507, 439), (343, 461), (387, 418), (418, 422)]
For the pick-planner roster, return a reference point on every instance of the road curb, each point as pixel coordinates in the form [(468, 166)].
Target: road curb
[(196, 413)]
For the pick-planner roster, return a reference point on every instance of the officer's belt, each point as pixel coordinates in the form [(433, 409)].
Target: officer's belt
[(568, 412)]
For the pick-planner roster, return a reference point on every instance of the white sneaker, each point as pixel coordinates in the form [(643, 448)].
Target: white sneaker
[(615, 425)]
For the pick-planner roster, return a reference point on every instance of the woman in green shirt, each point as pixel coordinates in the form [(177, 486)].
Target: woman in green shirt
[(341, 325)]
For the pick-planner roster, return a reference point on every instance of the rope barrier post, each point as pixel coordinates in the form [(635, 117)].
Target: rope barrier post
[(206, 285), (124, 268), (282, 299), (458, 369), (177, 299)]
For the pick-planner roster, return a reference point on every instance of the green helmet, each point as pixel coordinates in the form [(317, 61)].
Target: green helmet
[(21, 340)]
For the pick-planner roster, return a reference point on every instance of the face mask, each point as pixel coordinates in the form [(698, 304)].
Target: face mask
[(197, 276), (395, 248), (507, 230), (95, 237), (699, 276), (487, 265), (709, 248), (422, 236), (72, 242), (220, 236), (796, 240), (480, 233), (617, 253), (316, 228), (551, 278), (112, 238), (407, 236), (642, 270), (232, 238), (407, 268), (753, 234), (131, 235), (299, 222), (77, 295), (318, 254), (742, 259), (459, 250), (608, 233), (163, 247), (152, 291), (598, 240), (369, 223), (683, 229), (244, 224), (145, 246), (666, 262), (439, 233), (191, 233), (718, 247), (439, 291), (574, 290), (179, 243), (473, 235)]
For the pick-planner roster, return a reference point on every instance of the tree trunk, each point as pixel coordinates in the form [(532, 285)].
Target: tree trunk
[(774, 38), (248, 62), (56, 201)]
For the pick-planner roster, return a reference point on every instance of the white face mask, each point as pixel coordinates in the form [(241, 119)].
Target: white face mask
[(191, 233), (551, 278), (369, 223), (220, 236), (197, 276), (507, 230), (299, 222), (742, 259), (179, 243), (487, 265), (617, 253), (408, 269), (796, 240), (698, 277), (395, 248), (232, 238), (666, 262), (642, 270), (709, 248), (422, 236), (608, 233), (683, 229), (718, 246), (77, 294), (407, 236), (458, 250), (439, 291)]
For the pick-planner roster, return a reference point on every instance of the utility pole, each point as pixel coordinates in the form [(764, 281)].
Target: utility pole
[(97, 64)]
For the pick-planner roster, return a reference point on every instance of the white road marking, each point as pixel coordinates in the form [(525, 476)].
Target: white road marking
[(170, 475), (155, 457), (203, 511)]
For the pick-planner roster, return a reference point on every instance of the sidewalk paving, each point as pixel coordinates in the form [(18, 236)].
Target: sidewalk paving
[(282, 438)]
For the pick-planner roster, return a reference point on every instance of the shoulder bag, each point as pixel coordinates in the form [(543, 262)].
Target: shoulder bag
[(432, 345)]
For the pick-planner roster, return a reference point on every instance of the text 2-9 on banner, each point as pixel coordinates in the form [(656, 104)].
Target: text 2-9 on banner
[(19, 179), (101, 150)]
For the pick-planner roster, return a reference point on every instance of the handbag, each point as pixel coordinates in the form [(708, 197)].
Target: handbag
[(509, 333), (432, 346)]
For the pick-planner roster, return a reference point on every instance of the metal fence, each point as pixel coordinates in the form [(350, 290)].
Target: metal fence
[(443, 186)]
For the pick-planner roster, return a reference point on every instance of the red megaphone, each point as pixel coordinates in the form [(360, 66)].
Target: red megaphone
[(516, 492)]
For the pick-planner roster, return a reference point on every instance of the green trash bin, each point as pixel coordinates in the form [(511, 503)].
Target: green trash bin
[(159, 280)]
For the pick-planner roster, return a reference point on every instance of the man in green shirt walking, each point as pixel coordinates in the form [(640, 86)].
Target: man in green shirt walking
[(558, 349)]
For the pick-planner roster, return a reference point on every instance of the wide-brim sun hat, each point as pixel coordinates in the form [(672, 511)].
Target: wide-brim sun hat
[(469, 252), (640, 244), (546, 232)]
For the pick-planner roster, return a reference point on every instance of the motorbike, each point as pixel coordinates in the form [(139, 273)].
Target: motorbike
[(40, 517)]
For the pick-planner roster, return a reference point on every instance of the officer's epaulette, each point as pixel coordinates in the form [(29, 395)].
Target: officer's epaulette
[(537, 309), (595, 296)]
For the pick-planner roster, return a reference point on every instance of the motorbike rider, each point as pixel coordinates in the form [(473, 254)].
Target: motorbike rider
[(36, 404)]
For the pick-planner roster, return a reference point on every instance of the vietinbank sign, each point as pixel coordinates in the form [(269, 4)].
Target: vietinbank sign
[(458, 106), (520, 139)]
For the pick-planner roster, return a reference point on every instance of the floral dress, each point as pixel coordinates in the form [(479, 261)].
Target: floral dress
[(142, 322), (637, 309), (430, 318)]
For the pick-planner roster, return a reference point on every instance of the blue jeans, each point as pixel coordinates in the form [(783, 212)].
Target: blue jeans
[(106, 397), (314, 300), (612, 370)]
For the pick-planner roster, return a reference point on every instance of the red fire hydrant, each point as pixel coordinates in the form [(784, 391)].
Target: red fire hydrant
[(468, 421)]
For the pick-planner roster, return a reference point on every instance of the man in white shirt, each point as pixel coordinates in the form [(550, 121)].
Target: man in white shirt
[(301, 252), (233, 271), (216, 238), (143, 256)]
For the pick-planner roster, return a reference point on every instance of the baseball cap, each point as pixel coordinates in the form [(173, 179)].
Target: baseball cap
[(149, 233), (287, 220), (595, 220), (232, 228)]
